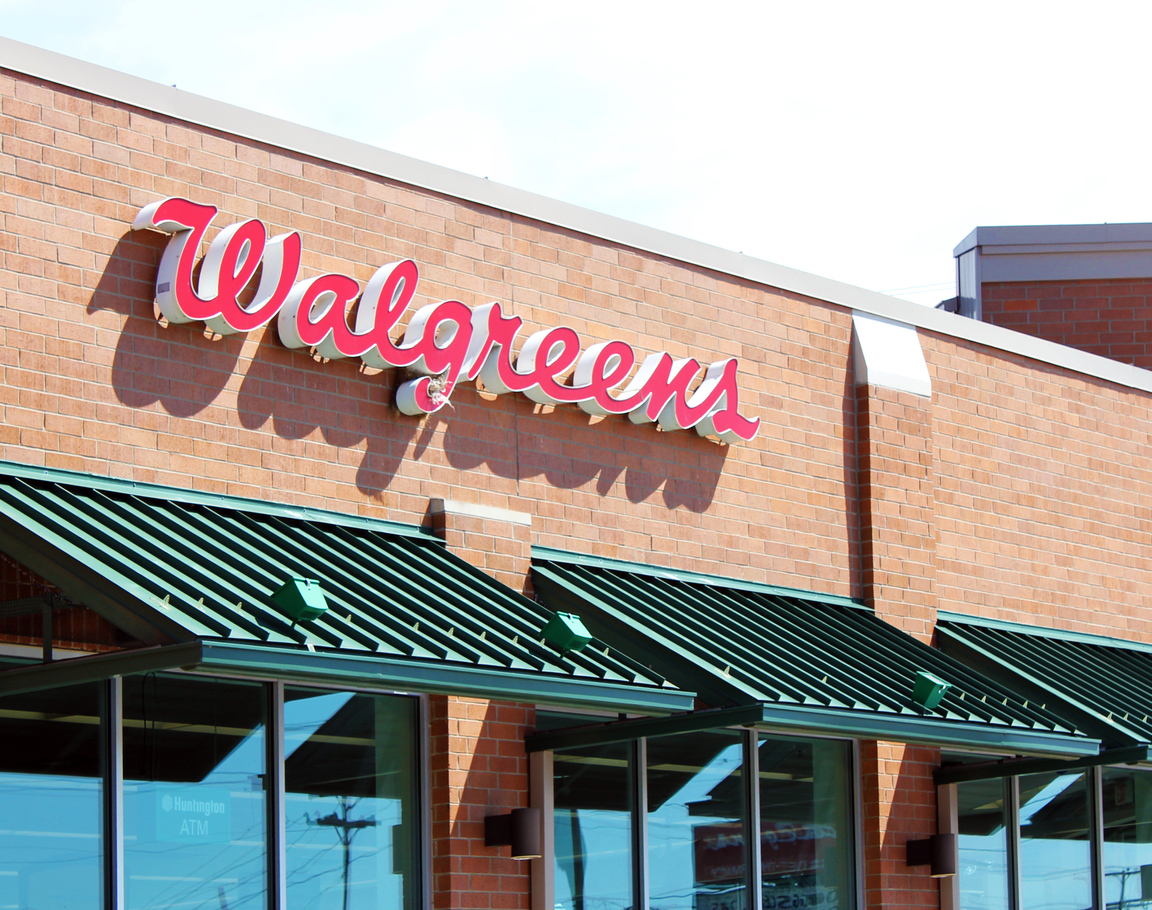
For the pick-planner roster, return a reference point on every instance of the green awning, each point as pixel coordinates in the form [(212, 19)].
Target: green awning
[(173, 566), (1102, 685), (811, 662)]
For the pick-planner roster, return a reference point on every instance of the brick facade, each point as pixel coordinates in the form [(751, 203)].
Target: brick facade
[(1109, 317), (1018, 491), (478, 768)]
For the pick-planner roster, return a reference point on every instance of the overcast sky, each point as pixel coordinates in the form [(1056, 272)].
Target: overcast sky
[(861, 141)]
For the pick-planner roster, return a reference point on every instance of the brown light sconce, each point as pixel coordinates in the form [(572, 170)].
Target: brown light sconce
[(518, 829), (940, 851)]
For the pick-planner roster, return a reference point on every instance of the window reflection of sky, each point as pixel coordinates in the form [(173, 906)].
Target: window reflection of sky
[(340, 845), (1055, 871), (671, 842)]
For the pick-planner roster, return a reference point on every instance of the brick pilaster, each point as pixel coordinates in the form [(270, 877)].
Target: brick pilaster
[(479, 768), (899, 805), (897, 507), (499, 541)]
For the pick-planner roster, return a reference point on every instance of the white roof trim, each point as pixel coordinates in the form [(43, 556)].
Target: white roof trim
[(888, 354), (163, 99)]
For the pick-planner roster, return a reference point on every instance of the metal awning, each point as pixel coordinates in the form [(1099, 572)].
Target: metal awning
[(178, 568), (807, 662), (1101, 685)]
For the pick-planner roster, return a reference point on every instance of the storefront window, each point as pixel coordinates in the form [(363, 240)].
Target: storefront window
[(805, 823), (351, 801), (983, 861), (194, 806), (1127, 798), (696, 821), (593, 828), (1055, 844), (50, 799)]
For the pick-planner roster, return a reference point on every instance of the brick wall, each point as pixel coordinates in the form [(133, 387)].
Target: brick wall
[(1042, 494), (91, 382), (897, 508), (899, 803), (1109, 317), (479, 768)]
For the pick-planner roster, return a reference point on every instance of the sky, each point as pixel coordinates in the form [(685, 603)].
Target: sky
[(857, 141)]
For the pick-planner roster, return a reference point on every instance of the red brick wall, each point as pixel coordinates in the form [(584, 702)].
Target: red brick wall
[(479, 768), (899, 806), (1109, 317), (1043, 492), (91, 382), (897, 508)]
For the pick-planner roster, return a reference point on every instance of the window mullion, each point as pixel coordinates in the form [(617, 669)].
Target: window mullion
[(274, 798), (113, 786), (640, 823), (752, 861)]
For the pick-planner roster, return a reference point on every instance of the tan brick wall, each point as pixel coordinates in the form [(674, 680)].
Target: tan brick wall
[(479, 768), (1109, 317)]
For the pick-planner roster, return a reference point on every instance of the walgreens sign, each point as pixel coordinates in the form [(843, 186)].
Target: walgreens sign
[(443, 343)]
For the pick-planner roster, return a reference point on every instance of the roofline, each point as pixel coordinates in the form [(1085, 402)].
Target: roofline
[(1091, 235), (167, 100)]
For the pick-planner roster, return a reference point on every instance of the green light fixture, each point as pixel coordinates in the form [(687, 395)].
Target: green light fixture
[(566, 633), (302, 599), (929, 689)]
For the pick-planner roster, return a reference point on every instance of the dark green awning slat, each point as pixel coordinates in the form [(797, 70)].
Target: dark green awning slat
[(191, 567), (1104, 684), (42, 516), (812, 664)]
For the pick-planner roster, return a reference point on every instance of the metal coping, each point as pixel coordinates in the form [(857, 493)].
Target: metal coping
[(169, 101)]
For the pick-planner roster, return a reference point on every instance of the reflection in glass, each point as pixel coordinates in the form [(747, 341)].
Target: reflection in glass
[(194, 809), (805, 823), (983, 867), (696, 821), (1055, 849), (1127, 801), (50, 800), (593, 828), (351, 801)]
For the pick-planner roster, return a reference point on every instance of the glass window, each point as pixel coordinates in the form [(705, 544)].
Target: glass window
[(1055, 847), (593, 828), (50, 799), (1127, 794), (805, 823), (351, 774), (696, 821), (983, 862), (194, 807)]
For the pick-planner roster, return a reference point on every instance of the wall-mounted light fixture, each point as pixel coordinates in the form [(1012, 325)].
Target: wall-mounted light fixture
[(940, 851), (518, 829), (929, 689), (302, 599)]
